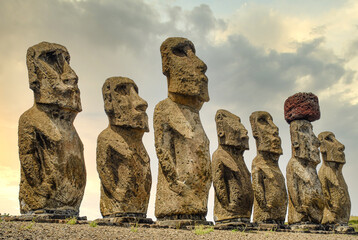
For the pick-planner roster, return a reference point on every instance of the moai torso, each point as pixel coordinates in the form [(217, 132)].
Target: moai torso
[(337, 201), (53, 175), (268, 182), (231, 178), (306, 201), (122, 161), (184, 171)]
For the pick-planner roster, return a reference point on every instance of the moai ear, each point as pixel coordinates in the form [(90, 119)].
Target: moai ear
[(221, 134), (107, 97)]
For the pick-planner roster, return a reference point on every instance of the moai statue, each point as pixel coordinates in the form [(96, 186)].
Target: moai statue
[(306, 201), (231, 178), (53, 174), (122, 161), (268, 183), (184, 171), (337, 201)]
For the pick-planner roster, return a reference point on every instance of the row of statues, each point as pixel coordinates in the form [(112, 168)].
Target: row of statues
[(53, 174)]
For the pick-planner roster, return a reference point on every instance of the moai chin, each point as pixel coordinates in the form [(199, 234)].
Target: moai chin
[(122, 161), (231, 178), (337, 201), (184, 171), (53, 174), (306, 201), (268, 182)]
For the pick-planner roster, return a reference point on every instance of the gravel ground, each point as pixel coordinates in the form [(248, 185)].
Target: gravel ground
[(29, 230)]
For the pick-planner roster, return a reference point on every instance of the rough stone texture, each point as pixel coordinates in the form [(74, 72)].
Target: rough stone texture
[(268, 182), (302, 106), (123, 164), (337, 201), (231, 178), (184, 171), (53, 174), (306, 200)]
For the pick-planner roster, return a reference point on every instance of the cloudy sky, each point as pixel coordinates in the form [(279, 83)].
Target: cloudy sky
[(258, 53)]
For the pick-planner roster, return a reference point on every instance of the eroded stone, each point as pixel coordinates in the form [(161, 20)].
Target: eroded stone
[(53, 174), (337, 201), (268, 182), (123, 163), (184, 171), (306, 200), (231, 178)]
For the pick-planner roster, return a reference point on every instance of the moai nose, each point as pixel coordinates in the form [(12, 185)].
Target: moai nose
[(68, 73), (139, 103)]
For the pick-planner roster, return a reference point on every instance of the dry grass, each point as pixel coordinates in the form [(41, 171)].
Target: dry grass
[(353, 222)]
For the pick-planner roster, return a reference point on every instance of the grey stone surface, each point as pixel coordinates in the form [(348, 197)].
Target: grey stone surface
[(268, 182), (337, 207), (231, 178), (306, 200)]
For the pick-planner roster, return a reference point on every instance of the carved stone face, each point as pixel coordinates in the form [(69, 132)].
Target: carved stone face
[(331, 149), (304, 142), (184, 70), (265, 132), (123, 105), (230, 130), (51, 78)]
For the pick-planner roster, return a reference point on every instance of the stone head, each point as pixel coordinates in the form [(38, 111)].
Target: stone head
[(185, 72), (265, 133), (230, 130), (331, 149), (123, 106), (305, 144), (51, 78)]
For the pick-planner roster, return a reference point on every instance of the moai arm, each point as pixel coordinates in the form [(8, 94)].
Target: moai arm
[(258, 186), (31, 158), (295, 192), (219, 181), (106, 171), (166, 155)]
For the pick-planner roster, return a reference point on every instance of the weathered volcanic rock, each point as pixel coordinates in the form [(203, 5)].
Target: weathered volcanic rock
[(53, 174), (268, 182), (337, 201), (302, 106), (184, 171), (122, 161), (231, 178)]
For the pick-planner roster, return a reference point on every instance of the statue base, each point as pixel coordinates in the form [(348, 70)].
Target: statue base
[(125, 220), (49, 216), (306, 227), (339, 228), (240, 224), (182, 221), (281, 227)]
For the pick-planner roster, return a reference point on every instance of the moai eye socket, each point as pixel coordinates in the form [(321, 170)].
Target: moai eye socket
[(54, 60), (329, 138), (179, 51), (122, 89), (262, 120)]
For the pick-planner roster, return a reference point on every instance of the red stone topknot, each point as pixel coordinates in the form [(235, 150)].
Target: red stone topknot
[(302, 106)]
